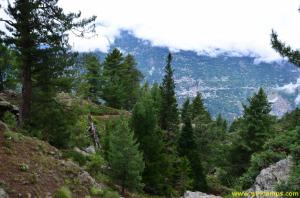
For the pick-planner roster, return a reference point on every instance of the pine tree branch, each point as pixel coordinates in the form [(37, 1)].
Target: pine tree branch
[(285, 50)]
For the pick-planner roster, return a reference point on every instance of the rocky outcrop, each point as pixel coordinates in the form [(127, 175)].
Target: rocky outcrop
[(271, 176), (189, 194), (90, 150), (6, 106), (3, 193)]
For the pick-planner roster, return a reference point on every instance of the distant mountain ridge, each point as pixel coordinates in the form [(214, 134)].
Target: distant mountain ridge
[(225, 81)]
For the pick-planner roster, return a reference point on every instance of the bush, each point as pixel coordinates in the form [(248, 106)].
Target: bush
[(94, 166), (10, 119), (258, 162), (24, 167), (96, 191), (63, 192), (110, 194), (77, 157)]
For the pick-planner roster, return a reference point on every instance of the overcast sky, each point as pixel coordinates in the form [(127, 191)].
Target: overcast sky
[(242, 26)]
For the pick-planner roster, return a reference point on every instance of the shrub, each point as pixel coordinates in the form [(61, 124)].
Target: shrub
[(94, 166), (258, 162), (63, 192), (96, 191), (10, 119), (77, 157), (110, 194), (24, 167)]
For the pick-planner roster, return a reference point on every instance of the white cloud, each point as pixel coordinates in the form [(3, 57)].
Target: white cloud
[(238, 26), (290, 88)]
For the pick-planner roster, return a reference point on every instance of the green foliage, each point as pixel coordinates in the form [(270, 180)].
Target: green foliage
[(57, 130), (95, 164), (96, 191), (90, 86), (285, 50), (38, 31), (198, 108), (258, 121), (120, 75), (258, 162), (124, 158), (8, 69), (110, 194), (250, 134), (186, 111), (76, 157), (144, 124), (184, 181), (10, 119), (188, 147), (63, 192), (24, 167), (168, 109)]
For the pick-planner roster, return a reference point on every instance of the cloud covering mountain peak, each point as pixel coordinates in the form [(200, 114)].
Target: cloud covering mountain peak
[(241, 27)]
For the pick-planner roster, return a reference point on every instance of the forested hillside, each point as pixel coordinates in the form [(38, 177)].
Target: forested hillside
[(74, 125)]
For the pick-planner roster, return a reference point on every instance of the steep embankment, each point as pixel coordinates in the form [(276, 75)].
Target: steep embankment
[(32, 168)]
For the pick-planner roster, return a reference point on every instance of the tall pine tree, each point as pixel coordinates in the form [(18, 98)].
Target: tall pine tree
[(168, 109), (38, 30), (120, 75), (124, 158), (198, 108), (187, 147), (92, 77), (145, 126), (250, 133)]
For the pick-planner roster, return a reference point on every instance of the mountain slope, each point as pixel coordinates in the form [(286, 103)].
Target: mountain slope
[(224, 80)]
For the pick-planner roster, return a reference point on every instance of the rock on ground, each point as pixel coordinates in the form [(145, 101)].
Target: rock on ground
[(3, 194), (90, 150), (190, 194), (271, 176)]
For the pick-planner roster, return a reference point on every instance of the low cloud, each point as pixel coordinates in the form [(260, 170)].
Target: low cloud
[(290, 88), (240, 27), (235, 26)]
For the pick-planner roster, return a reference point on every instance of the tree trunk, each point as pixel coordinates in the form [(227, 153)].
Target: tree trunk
[(26, 93), (93, 132), (123, 190), (27, 49)]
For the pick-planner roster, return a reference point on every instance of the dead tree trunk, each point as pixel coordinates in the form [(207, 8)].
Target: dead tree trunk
[(93, 132)]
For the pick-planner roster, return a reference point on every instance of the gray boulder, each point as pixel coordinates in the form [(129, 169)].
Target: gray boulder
[(90, 150), (189, 194), (271, 176), (3, 194)]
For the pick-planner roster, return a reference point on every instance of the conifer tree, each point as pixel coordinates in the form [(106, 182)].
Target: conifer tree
[(168, 109), (131, 79), (198, 108), (144, 123), (113, 92), (92, 77), (8, 70), (285, 50), (38, 30), (188, 147), (186, 111), (124, 158), (120, 75), (169, 122), (156, 96), (186, 141), (251, 131), (258, 120), (221, 124), (184, 180)]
